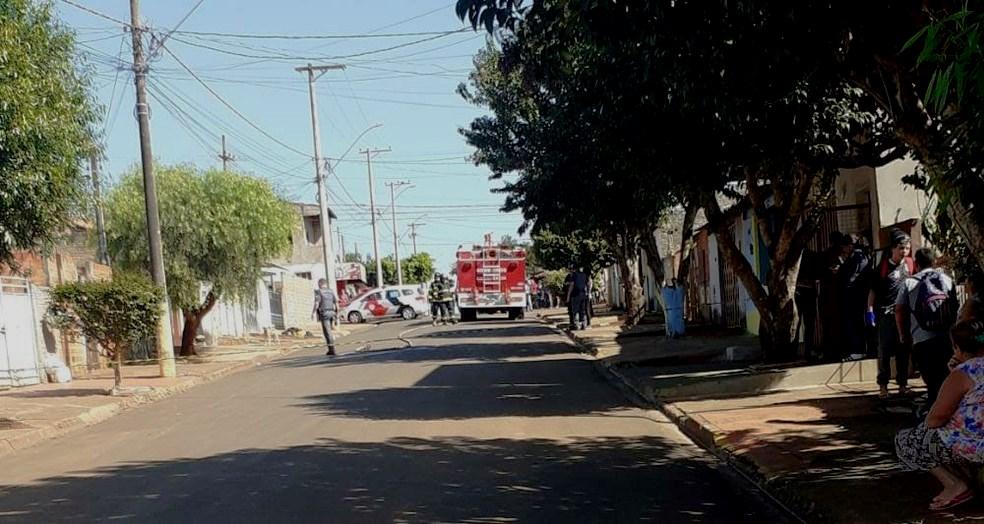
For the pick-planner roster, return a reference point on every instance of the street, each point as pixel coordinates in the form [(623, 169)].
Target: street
[(492, 421)]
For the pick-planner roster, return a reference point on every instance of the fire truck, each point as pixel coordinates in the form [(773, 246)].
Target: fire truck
[(491, 279)]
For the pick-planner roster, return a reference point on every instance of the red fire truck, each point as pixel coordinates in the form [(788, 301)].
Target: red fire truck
[(491, 279)]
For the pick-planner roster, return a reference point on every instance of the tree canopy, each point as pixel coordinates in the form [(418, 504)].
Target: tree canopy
[(218, 228), (46, 121)]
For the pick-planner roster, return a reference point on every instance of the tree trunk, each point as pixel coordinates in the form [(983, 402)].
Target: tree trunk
[(655, 261), (193, 319), (687, 245), (191, 323), (628, 265), (118, 369)]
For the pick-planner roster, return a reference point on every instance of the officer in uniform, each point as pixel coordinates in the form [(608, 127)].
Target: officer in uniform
[(326, 309)]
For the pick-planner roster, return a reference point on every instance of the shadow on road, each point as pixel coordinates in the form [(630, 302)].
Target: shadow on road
[(400, 480)]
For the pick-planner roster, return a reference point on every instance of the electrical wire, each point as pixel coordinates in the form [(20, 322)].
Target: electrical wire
[(230, 106), (351, 36), (96, 13)]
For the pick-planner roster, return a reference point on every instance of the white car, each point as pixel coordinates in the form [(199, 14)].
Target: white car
[(406, 302)]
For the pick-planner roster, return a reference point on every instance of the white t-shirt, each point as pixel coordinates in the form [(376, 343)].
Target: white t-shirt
[(908, 294)]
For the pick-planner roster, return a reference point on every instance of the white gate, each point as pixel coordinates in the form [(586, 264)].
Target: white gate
[(18, 353)]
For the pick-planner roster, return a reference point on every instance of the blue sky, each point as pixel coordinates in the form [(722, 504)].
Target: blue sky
[(410, 89)]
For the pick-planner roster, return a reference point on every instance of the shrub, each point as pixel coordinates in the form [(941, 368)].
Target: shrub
[(115, 313)]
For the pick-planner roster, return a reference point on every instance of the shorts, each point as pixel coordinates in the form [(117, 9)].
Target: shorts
[(921, 449)]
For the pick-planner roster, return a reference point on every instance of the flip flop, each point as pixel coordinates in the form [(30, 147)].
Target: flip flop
[(954, 502)]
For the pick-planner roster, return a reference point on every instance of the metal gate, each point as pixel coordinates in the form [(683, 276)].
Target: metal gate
[(18, 347), (730, 293)]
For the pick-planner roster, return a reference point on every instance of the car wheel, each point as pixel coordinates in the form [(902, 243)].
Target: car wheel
[(355, 317), (407, 313)]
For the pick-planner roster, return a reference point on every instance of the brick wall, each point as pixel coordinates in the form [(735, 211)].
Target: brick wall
[(298, 301)]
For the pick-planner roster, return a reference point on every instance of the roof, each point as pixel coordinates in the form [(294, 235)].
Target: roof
[(312, 210)]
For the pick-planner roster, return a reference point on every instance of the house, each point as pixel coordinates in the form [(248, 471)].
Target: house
[(24, 288)]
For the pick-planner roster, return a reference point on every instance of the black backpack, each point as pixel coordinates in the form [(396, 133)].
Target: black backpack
[(936, 307)]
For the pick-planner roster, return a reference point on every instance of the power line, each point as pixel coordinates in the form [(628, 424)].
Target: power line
[(97, 13), (231, 108), (353, 36)]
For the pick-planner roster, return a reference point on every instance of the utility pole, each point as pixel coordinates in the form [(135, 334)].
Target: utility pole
[(396, 241), (341, 247), (413, 234), (102, 249), (372, 211), (225, 157), (326, 239), (163, 341)]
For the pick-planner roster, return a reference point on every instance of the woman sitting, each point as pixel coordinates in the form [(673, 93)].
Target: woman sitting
[(953, 432)]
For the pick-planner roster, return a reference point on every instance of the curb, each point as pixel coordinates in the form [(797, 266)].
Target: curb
[(709, 438), (97, 414)]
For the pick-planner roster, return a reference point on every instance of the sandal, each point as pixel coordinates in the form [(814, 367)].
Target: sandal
[(966, 496)]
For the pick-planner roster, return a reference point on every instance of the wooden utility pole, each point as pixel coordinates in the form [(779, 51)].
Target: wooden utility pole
[(413, 234), (102, 247), (163, 341), (326, 239), (372, 212), (396, 240), (225, 157)]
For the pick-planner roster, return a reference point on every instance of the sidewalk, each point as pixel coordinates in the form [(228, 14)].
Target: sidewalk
[(815, 437), (31, 414)]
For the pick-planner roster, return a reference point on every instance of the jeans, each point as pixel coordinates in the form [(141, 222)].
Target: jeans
[(577, 311), (889, 346), (326, 321), (932, 357)]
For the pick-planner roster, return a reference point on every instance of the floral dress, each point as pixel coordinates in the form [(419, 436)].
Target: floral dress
[(960, 440)]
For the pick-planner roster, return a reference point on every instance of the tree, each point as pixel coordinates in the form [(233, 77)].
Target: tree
[(115, 313), (744, 106), (583, 249), (418, 268), (219, 228), (46, 121)]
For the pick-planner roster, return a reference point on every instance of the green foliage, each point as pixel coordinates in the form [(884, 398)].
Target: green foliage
[(584, 249), (554, 282), (218, 227), (115, 313), (46, 117), (418, 268)]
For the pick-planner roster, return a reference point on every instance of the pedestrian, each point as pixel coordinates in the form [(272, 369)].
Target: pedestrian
[(325, 310), (925, 309), (577, 298), (568, 286), (435, 297), (829, 299), (854, 295), (886, 279), (950, 437), (807, 284), (447, 301)]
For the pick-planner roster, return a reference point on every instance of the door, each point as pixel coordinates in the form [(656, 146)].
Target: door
[(375, 306), (18, 353)]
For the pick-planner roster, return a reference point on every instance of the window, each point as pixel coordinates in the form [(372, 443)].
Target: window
[(312, 230), (375, 296), (393, 293), (407, 292), (306, 274)]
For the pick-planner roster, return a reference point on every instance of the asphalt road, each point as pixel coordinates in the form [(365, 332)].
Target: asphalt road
[(484, 423)]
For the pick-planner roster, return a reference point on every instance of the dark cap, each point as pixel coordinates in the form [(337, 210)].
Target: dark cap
[(898, 237)]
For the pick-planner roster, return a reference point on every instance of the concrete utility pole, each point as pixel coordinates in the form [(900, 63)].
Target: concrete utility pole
[(341, 247), (225, 157), (326, 239), (396, 240), (102, 249), (413, 234), (163, 341), (372, 212)]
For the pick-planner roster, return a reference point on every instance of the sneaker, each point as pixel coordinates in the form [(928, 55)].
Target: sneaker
[(882, 392), (904, 391)]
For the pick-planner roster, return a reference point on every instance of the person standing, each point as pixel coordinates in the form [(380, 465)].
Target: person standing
[(571, 312), (577, 298), (925, 309), (854, 295), (325, 310), (887, 278)]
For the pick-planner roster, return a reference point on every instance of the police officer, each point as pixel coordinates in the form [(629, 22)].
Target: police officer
[(326, 309)]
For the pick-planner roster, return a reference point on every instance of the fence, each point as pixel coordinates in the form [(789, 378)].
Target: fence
[(19, 364)]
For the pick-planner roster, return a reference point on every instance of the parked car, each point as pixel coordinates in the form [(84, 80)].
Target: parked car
[(406, 302)]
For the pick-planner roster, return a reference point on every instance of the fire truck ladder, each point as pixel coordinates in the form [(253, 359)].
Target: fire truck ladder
[(491, 273)]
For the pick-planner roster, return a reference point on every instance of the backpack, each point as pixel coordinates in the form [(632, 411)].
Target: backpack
[(936, 307)]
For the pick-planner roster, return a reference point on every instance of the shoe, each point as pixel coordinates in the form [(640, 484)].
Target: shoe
[(966, 496), (856, 356), (904, 391), (331, 353), (883, 392)]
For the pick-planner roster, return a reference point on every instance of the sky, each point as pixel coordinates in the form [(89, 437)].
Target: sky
[(404, 60)]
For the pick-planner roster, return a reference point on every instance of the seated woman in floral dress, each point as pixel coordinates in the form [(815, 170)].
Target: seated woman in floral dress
[(953, 432)]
